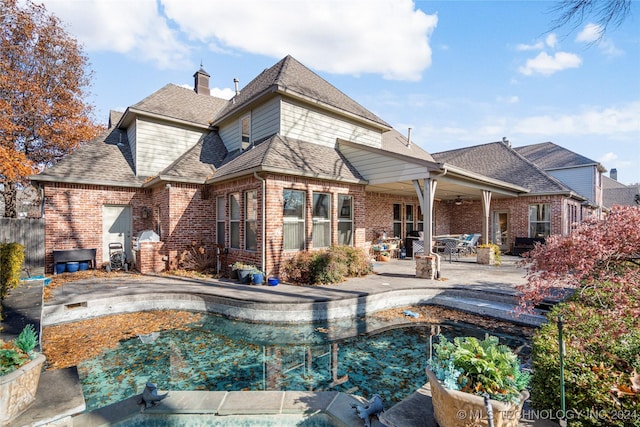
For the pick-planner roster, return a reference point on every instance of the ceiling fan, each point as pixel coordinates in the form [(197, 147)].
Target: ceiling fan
[(458, 201)]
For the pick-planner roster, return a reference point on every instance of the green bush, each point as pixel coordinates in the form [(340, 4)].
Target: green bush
[(11, 260), (602, 344), (479, 366), (326, 266)]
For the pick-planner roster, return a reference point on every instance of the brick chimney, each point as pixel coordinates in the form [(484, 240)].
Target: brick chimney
[(201, 82)]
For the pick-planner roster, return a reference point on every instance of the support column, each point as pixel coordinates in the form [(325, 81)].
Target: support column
[(486, 207)]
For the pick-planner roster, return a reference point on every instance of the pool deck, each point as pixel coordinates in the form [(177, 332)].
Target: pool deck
[(464, 285)]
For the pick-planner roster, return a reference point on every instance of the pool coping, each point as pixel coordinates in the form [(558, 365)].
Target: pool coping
[(499, 305), (337, 405)]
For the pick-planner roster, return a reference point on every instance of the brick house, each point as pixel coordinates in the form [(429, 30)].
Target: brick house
[(290, 163)]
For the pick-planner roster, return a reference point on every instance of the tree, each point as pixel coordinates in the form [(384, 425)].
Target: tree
[(599, 253), (43, 82), (605, 13)]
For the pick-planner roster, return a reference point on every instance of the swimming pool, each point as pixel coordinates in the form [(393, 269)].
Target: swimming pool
[(219, 354)]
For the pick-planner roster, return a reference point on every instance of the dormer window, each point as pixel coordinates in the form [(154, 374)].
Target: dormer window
[(245, 129)]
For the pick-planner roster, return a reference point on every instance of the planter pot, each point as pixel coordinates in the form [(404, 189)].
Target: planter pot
[(454, 408), (257, 278), (383, 258), (486, 256), (72, 267), (61, 267), (18, 389), (273, 281), (244, 276)]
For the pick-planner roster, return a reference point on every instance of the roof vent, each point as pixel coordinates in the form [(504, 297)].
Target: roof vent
[(409, 138), (613, 174), (235, 82), (506, 142)]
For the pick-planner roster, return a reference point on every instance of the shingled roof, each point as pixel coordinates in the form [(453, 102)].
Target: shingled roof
[(106, 160), (179, 103), (292, 157), (499, 161), (290, 76), (548, 156)]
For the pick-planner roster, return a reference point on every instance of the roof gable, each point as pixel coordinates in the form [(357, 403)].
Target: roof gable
[(548, 155), (289, 76), (106, 160), (179, 103), (293, 157), (499, 161)]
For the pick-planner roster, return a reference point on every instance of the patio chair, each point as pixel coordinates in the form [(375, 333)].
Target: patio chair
[(453, 246), (471, 242)]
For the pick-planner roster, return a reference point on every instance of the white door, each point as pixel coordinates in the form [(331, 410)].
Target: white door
[(116, 227)]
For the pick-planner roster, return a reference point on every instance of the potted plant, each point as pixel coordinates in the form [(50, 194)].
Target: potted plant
[(462, 371), (20, 369), (244, 271), (384, 256), (488, 253), (257, 277)]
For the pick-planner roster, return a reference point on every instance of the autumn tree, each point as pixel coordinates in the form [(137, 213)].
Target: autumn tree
[(43, 83), (599, 253)]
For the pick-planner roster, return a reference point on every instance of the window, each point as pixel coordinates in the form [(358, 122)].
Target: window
[(345, 220), (573, 217), (409, 217), (251, 220), (293, 219), (420, 219), (397, 220), (321, 233), (221, 216), (234, 220), (540, 220), (245, 129)]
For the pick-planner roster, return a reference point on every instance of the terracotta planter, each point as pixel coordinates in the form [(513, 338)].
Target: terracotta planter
[(456, 408), (383, 258), (18, 389), (486, 256)]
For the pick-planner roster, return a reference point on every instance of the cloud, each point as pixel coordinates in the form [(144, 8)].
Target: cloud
[(390, 39), (546, 65), (514, 99), (590, 33), (141, 32), (620, 121), (551, 40), (527, 47)]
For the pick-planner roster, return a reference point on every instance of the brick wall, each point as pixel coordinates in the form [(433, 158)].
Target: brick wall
[(73, 215), (274, 186)]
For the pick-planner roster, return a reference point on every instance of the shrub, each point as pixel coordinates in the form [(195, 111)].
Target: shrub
[(197, 258), (601, 363), (14, 354), (479, 366), (11, 260), (327, 266)]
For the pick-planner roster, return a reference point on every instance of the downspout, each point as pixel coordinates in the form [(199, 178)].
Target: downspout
[(264, 224)]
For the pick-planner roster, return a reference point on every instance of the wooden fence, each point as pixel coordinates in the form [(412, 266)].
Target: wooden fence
[(28, 232)]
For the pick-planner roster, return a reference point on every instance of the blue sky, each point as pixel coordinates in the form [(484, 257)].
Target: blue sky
[(459, 73)]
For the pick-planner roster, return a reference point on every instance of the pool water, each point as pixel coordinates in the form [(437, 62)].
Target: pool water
[(219, 354)]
